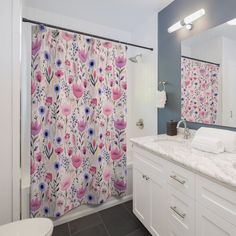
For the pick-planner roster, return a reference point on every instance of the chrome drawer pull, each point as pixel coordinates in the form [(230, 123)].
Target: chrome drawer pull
[(174, 177), (182, 215), (146, 177)]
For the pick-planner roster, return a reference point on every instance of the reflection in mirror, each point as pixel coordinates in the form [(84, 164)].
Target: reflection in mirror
[(208, 76)]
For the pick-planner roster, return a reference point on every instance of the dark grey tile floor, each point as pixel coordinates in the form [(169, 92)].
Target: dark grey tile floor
[(115, 221)]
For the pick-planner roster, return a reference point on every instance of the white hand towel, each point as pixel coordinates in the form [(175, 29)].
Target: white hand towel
[(161, 99), (227, 137), (207, 144)]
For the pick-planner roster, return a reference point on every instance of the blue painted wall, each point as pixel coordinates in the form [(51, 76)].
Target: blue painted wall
[(169, 47)]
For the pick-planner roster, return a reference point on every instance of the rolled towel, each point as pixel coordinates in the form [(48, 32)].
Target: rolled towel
[(161, 99), (227, 137), (208, 144)]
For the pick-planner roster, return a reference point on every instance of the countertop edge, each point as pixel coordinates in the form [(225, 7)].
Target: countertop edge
[(195, 171)]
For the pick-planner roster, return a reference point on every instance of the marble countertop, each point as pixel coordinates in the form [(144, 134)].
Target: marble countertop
[(220, 167)]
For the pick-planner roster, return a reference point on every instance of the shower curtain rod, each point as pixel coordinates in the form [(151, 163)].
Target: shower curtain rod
[(84, 33)]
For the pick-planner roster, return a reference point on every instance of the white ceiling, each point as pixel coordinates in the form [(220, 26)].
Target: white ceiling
[(120, 14)]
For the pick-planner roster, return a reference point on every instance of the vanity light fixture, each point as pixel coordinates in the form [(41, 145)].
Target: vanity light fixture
[(232, 22), (187, 21)]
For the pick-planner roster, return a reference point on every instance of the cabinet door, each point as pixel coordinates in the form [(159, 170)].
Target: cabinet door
[(158, 205), (208, 223), (141, 196)]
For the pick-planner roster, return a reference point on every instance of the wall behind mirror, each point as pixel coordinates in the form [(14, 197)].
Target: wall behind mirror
[(169, 48), (208, 76)]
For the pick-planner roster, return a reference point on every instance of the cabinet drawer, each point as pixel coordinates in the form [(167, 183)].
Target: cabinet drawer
[(181, 213), (217, 198), (148, 168), (182, 180)]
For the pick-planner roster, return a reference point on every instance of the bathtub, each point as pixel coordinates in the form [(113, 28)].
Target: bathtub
[(79, 211)]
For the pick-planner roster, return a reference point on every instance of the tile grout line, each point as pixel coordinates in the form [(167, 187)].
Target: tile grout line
[(69, 229), (108, 233)]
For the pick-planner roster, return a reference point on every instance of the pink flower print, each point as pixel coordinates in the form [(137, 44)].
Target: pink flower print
[(93, 169), (77, 161), (81, 126), (60, 48), (33, 87), (59, 73), (67, 62), (35, 204), (85, 83), (70, 152), (94, 74), (84, 150), (65, 183), (49, 145), (70, 79), (187, 83), (111, 82), (66, 109), (81, 192), (49, 70), (120, 185), (39, 157), (107, 175), (48, 177), (124, 85), (107, 109), (120, 124), (83, 55), (101, 145), (107, 45), (49, 101), (78, 90), (33, 167), (66, 36), (108, 68), (59, 150), (116, 154), (94, 101), (94, 143), (124, 147), (38, 76), (120, 61), (36, 45), (35, 128), (116, 93), (67, 136), (101, 79)]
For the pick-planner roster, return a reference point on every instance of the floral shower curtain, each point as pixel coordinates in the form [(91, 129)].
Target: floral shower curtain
[(78, 144), (199, 90)]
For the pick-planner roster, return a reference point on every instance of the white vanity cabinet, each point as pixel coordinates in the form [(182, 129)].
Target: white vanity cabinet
[(150, 195), (173, 201)]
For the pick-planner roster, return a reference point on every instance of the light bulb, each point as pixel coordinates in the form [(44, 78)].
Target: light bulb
[(232, 22), (175, 27), (189, 19)]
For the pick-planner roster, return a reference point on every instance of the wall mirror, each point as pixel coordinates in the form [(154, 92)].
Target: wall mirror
[(208, 76)]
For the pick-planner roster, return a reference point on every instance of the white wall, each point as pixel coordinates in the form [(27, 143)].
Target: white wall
[(228, 82), (144, 79), (9, 122)]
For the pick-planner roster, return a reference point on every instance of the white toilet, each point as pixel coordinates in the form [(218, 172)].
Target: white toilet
[(28, 227)]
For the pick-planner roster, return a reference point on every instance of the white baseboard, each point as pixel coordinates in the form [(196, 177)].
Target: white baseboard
[(87, 210)]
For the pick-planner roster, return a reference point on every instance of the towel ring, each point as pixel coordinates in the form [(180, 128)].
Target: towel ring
[(163, 83)]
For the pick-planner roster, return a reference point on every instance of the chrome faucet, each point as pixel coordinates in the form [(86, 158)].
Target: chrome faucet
[(186, 130)]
